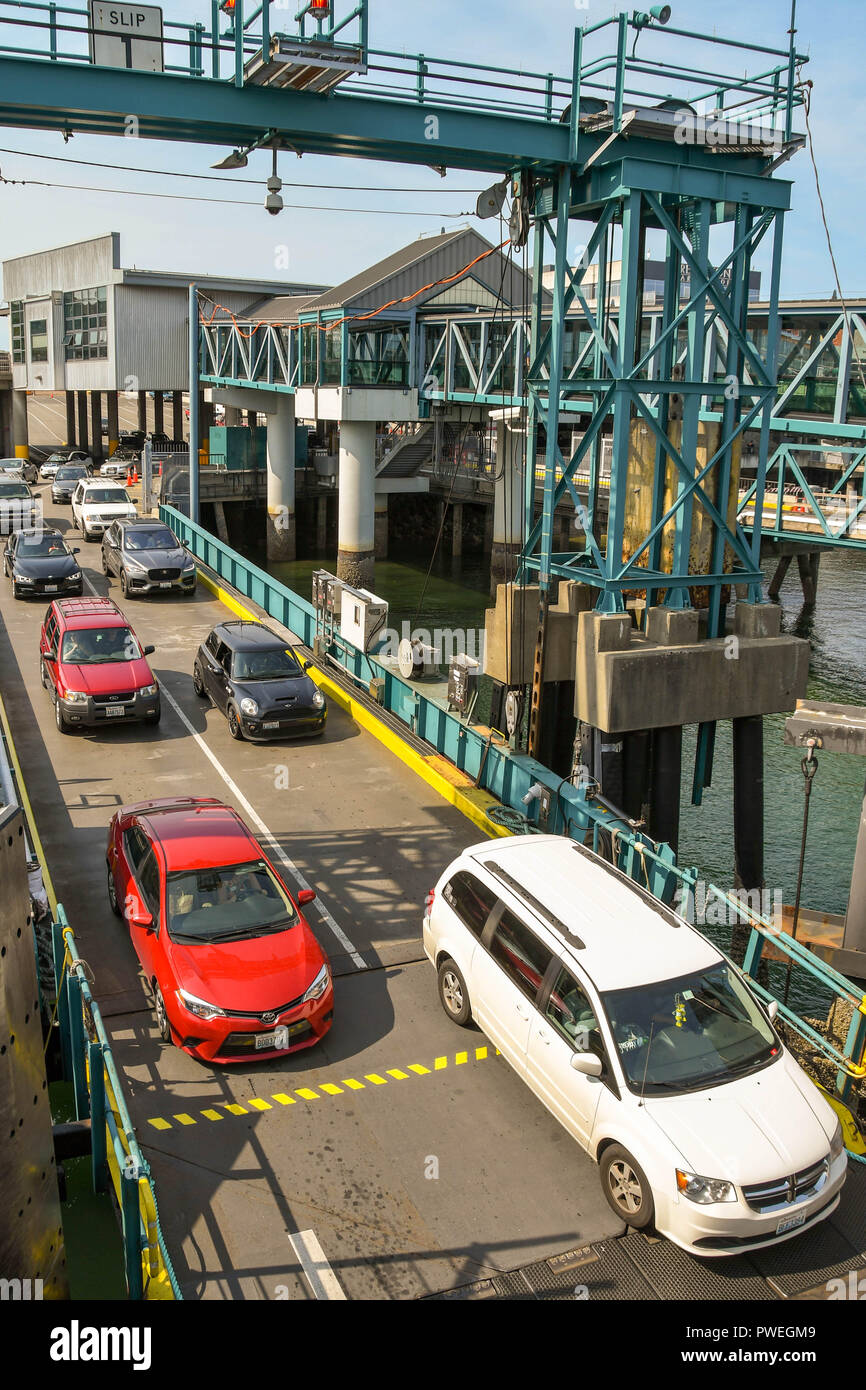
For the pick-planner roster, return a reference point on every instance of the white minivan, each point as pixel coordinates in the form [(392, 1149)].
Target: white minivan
[(641, 1038)]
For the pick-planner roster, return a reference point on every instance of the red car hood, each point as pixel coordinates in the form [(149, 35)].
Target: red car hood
[(108, 679), (260, 973)]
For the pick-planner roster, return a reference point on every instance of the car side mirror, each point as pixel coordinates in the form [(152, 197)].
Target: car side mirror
[(587, 1064), (76, 550), (307, 665), (772, 1010), (306, 896), (142, 919), (148, 651)]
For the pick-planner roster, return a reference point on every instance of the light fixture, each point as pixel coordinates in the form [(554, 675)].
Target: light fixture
[(236, 160), (273, 202)]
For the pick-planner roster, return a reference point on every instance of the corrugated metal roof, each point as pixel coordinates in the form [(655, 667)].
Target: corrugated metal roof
[(359, 286)]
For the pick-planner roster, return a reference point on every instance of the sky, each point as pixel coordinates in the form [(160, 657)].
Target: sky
[(238, 237)]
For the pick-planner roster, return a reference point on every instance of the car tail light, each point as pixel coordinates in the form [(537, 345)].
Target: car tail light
[(428, 905)]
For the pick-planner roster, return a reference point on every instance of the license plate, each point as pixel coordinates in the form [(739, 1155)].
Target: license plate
[(277, 1041), (165, 583), (274, 725), (114, 711), (790, 1223), (51, 588)]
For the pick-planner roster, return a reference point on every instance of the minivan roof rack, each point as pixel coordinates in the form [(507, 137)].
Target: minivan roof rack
[(531, 901)]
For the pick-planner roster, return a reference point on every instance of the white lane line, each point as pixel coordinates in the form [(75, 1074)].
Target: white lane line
[(311, 1257), (260, 826)]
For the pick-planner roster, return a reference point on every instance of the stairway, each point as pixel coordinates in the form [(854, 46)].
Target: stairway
[(408, 458)]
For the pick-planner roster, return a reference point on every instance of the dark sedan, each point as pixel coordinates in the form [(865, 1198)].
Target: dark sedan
[(147, 557), (39, 562), (66, 480), (258, 683)]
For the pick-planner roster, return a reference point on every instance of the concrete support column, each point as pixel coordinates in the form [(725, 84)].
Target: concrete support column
[(177, 428), (158, 413), (808, 567), (356, 544), (113, 423), (381, 526), (778, 576), (142, 411), (281, 482), (96, 425), (233, 415), (321, 525), (71, 432), (457, 529), (748, 750), (83, 436), (507, 505), (252, 418), (19, 425)]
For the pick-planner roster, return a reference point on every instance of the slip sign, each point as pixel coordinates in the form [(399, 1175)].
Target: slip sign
[(126, 36)]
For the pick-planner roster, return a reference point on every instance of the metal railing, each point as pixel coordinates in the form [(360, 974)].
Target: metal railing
[(115, 1154), (577, 811)]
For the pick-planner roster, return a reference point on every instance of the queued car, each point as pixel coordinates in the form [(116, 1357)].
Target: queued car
[(645, 1042), (235, 970), (148, 558), (66, 480), (38, 562), (115, 468), (51, 465), (18, 507), (95, 505), (258, 683), (93, 666), (19, 468)]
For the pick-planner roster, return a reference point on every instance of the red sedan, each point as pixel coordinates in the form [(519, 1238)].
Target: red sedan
[(235, 969)]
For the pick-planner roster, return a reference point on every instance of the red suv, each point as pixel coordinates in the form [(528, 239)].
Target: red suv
[(235, 971), (93, 666)]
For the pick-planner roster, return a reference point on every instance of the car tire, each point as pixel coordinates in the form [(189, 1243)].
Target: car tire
[(124, 586), (105, 566), (235, 724), (198, 683), (60, 719), (155, 718), (43, 675), (626, 1189), (112, 894), (162, 1023), (453, 994)]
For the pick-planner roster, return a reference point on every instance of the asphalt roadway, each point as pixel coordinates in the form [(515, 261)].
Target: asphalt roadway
[(401, 1156)]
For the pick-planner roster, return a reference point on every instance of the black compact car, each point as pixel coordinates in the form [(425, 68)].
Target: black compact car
[(259, 683), (39, 562)]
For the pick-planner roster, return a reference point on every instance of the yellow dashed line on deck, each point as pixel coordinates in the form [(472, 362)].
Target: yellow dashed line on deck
[(184, 1120)]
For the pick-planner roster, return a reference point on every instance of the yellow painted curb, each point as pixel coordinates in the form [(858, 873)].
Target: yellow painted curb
[(445, 779)]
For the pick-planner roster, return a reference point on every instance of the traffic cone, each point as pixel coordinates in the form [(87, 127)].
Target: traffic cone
[(129, 477)]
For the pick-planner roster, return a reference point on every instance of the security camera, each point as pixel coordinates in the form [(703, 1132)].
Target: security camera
[(274, 204)]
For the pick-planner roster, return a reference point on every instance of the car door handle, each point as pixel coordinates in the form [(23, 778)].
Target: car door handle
[(522, 1010), (544, 1037)]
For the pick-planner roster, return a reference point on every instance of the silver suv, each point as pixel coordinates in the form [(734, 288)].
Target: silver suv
[(147, 557)]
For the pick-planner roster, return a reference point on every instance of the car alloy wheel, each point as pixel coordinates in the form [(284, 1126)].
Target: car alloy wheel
[(105, 569), (197, 682), (162, 1022), (626, 1188), (43, 674), (59, 719), (124, 586), (454, 994), (235, 724)]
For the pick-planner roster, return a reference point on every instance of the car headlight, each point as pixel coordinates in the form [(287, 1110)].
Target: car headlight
[(199, 1007), (75, 697), (249, 707), (22, 578), (74, 574), (318, 700), (705, 1190), (319, 985), (837, 1143), (148, 689), (189, 563)]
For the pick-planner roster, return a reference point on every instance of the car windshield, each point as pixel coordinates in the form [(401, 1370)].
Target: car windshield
[(54, 458), (272, 664), (67, 474), (36, 547), (11, 465), (150, 538), (684, 1034), (94, 646), (227, 903), (104, 494), (13, 490)]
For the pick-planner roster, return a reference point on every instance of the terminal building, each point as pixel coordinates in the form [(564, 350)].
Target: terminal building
[(83, 324)]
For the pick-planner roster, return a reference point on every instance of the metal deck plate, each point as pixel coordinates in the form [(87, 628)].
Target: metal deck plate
[(813, 1258), (675, 1274)]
